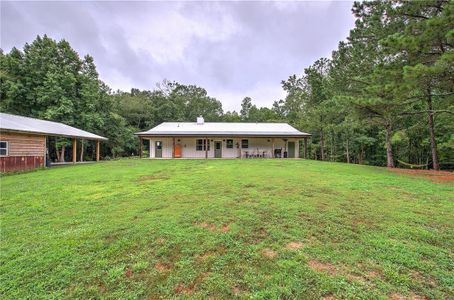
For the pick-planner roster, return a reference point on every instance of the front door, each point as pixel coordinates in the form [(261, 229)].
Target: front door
[(291, 149), (218, 149), (158, 149)]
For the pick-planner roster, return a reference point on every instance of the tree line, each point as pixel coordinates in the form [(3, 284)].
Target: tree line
[(385, 96)]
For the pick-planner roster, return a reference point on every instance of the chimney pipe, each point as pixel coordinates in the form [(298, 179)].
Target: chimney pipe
[(200, 120)]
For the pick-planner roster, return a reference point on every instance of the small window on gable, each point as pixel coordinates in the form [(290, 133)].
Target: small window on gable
[(3, 148), (245, 144), (229, 144), (200, 145)]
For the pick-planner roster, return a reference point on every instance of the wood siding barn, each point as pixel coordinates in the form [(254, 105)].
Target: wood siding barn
[(23, 141), (21, 151)]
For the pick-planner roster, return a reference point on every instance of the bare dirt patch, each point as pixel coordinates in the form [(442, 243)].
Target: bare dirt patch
[(182, 289), (128, 273), (162, 267), (209, 226), (437, 176), (373, 274), (428, 280), (411, 296), (322, 267), (414, 296), (294, 246), (237, 291), (329, 297), (396, 296), (224, 228), (268, 253)]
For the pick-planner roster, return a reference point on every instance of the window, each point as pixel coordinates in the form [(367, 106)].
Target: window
[(200, 145), (3, 148), (229, 144), (245, 144)]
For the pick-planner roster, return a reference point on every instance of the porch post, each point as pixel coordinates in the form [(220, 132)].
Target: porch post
[(74, 150), (272, 149), (97, 149), (150, 149), (173, 149), (206, 148), (305, 148), (241, 148), (140, 146)]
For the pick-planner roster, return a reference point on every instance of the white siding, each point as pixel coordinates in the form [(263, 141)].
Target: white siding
[(188, 147)]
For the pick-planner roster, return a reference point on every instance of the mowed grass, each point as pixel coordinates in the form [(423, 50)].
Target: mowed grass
[(227, 229)]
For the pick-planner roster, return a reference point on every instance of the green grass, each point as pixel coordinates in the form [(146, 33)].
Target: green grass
[(161, 229)]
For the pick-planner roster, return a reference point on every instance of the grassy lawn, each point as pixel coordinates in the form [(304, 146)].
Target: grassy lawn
[(252, 228)]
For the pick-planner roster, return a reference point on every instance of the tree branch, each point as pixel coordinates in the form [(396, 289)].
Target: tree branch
[(406, 113)]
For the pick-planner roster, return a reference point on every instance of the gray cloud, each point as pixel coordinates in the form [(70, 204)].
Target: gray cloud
[(233, 49)]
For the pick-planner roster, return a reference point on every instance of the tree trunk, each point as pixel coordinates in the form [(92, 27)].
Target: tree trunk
[(348, 153), (361, 155), (62, 154), (389, 148), (433, 142), (322, 145)]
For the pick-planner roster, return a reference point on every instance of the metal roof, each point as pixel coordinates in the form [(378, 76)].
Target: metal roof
[(16, 123), (223, 129)]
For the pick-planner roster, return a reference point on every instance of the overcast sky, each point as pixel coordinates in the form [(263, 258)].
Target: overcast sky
[(232, 49)]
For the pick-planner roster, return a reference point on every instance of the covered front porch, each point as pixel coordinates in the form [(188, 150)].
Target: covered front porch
[(223, 147)]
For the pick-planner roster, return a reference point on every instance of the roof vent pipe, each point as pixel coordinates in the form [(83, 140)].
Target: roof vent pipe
[(200, 120)]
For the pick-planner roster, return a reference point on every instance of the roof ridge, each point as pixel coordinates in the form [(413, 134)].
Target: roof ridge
[(32, 118), (187, 122), (34, 125)]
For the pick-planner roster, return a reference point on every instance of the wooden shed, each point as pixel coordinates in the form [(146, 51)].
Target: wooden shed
[(23, 141)]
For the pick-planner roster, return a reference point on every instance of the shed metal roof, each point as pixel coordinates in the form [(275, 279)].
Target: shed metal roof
[(223, 129), (16, 123)]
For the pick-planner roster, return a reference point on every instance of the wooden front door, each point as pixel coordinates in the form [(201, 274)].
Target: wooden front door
[(218, 149), (158, 149), (177, 151), (291, 150)]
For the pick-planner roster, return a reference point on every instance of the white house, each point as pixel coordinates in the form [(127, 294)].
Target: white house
[(223, 140)]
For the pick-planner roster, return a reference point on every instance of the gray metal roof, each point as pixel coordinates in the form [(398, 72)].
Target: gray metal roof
[(16, 123), (223, 129)]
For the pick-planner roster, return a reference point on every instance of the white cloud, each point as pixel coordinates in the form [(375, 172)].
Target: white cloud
[(167, 36), (262, 94), (232, 49)]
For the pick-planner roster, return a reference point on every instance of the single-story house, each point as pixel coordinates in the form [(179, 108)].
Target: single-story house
[(223, 140), (23, 141)]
